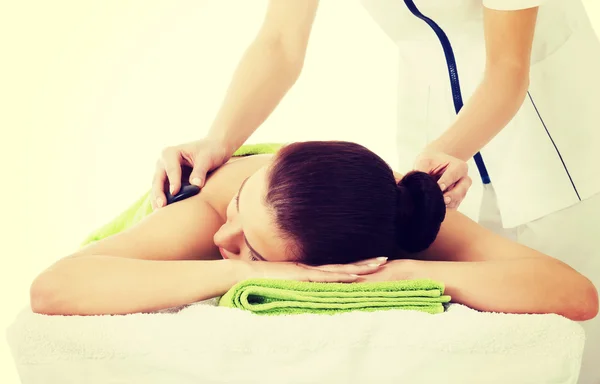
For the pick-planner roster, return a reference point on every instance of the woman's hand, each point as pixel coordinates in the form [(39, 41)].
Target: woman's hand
[(202, 155), (454, 175), (392, 271), (333, 273)]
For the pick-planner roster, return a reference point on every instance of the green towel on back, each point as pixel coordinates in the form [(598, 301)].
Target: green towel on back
[(143, 206), (284, 297)]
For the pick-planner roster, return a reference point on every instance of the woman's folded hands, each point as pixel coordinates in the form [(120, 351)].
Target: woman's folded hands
[(332, 273)]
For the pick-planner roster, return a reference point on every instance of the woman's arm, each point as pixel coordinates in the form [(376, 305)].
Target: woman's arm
[(154, 264), (488, 272), (129, 272), (97, 285), (509, 37)]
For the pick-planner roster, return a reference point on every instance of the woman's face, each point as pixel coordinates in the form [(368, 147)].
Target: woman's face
[(250, 232)]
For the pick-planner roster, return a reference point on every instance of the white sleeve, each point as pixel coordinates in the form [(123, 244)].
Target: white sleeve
[(511, 5)]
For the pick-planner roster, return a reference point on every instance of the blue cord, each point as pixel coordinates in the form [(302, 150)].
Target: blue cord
[(453, 73)]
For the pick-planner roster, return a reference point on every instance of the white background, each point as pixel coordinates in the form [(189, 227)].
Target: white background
[(91, 91)]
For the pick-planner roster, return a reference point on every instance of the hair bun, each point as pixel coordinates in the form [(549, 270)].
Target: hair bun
[(420, 211)]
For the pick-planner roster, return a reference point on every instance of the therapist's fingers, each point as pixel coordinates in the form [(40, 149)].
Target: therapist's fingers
[(171, 158), (456, 194), (158, 183), (202, 166), (455, 171)]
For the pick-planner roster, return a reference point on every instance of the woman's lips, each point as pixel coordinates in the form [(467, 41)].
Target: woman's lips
[(223, 253)]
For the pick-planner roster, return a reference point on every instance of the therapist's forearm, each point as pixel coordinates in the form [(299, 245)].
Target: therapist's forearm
[(494, 103), (264, 75), (97, 285), (533, 285)]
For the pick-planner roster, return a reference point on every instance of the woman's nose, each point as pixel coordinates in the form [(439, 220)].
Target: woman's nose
[(228, 237)]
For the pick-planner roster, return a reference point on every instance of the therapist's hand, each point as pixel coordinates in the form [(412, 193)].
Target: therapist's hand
[(454, 175), (202, 155)]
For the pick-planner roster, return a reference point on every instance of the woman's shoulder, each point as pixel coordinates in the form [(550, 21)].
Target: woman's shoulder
[(223, 183), (239, 168)]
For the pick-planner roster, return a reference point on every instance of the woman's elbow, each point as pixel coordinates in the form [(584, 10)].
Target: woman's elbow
[(44, 295), (586, 307), (577, 299)]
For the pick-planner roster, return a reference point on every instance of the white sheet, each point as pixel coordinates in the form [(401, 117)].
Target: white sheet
[(207, 344)]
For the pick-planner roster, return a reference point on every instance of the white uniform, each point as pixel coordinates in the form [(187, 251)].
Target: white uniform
[(544, 165)]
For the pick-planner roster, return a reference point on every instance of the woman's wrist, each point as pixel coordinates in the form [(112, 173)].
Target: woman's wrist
[(405, 269), (240, 270)]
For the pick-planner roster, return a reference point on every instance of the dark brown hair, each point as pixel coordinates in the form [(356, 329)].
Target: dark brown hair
[(339, 203)]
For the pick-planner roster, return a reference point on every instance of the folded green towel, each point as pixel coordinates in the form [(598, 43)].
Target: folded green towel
[(284, 297), (143, 206)]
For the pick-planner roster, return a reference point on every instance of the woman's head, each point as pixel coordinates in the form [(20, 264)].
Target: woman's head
[(323, 202)]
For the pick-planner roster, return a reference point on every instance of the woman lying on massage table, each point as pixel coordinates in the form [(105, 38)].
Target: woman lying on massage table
[(316, 211)]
